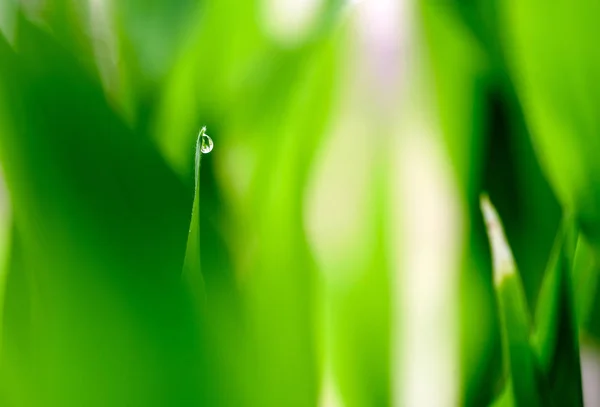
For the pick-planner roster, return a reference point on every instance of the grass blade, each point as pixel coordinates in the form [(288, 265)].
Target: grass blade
[(556, 340), (192, 269), (514, 313)]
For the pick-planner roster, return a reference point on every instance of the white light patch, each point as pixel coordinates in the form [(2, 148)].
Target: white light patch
[(330, 396), (384, 27), (428, 245), (289, 22), (590, 371), (504, 264), (337, 204)]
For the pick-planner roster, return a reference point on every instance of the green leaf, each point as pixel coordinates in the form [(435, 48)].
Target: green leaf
[(95, 279), (460, 66), (283, 322), (585, 283), (506, 397), (556, 337), (554, 60), (192, 269), (514, 313)]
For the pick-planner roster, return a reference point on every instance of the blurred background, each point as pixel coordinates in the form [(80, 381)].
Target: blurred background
[(330, 251)]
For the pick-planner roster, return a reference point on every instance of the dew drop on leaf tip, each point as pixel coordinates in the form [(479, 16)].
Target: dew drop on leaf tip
[(206, 143)]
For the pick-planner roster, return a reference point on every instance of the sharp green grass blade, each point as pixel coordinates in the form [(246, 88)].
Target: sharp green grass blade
[(192, 269)]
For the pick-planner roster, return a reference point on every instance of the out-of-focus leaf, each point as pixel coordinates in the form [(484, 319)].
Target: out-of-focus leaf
[(151, 33), (555, 64), (234, 84), (488, 139), (69, 23), (148, 36), (273, 334), (8, 14), (209, 79), (274, 103), (585, 285), (506, 398), (96, 310), (192, 269), (460, 86), (556, 336), (461, 74), (530, 212), (282, 323), (549, 303), (361, 314), (514, 314), (592, 325)]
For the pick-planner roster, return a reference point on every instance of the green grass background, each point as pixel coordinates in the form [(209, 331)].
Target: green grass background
[(135, 274)]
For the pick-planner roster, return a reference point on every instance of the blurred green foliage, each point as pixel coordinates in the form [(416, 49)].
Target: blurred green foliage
[(98, 160), (140, 272), (512, 131)]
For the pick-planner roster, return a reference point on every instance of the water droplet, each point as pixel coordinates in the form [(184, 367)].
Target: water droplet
[(206, 143)]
